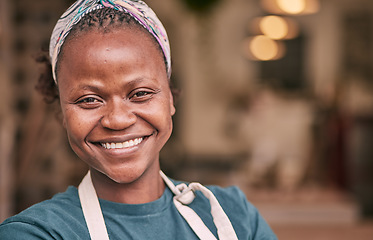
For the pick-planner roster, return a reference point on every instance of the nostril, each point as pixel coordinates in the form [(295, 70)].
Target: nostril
[(118, 118)]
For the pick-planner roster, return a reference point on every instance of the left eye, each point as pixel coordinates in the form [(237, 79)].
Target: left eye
[(141, 96)]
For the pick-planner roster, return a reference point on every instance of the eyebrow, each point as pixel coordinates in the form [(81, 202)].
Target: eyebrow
[(97, 85), (134, 82), (90, 87)]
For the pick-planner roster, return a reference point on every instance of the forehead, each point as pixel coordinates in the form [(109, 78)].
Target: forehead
[(91, 42), (123, 52), (133, 37)]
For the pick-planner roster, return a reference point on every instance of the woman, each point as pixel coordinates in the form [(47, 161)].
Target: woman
[(111, 63)]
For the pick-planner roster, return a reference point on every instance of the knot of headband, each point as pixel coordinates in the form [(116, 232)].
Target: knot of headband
[(141, 12)]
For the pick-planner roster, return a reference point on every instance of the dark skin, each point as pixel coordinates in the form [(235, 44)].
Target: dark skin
[(117, 109)]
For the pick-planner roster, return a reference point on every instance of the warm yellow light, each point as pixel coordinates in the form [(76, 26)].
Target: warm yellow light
[(263, 48), (292, 6), (274, 27)]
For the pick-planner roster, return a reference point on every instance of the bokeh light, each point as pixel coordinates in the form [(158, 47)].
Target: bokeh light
[(291, 7), (263, 48), (276, 27)]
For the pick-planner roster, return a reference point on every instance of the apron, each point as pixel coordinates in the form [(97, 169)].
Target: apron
[(183, 195)]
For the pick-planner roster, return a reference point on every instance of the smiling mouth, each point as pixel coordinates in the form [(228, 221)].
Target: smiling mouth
[(122, 145)]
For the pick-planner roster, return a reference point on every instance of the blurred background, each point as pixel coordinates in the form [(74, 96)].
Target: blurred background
[(277, 98)]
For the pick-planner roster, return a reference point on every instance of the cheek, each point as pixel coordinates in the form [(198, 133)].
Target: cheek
[(77, 125), (162, 112), (163, 119), (157, 115)]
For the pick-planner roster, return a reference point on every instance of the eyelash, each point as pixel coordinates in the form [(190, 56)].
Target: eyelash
[(85, 100), (88, 102), (141, 95)]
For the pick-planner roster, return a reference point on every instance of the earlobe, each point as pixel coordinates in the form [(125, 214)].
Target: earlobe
[(173, 109), (172, 106)]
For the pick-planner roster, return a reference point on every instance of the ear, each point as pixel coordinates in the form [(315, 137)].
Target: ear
[(172, 106)]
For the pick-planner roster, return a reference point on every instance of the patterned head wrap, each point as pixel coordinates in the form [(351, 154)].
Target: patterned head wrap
[(141, 12)]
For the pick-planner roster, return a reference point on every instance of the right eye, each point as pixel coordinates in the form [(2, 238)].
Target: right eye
[(88, 102)]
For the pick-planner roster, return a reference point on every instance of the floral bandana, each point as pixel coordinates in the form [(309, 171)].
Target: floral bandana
[(136, 8)]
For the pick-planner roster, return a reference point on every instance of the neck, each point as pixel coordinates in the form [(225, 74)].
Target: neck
[(147, 188)]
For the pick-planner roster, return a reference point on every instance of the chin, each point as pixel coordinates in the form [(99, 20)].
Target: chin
[(124, 176)]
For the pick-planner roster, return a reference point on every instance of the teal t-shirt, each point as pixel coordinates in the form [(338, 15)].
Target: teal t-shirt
[(62, 218)]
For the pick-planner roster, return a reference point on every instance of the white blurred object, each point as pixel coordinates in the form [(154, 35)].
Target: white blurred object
[(279, 134)]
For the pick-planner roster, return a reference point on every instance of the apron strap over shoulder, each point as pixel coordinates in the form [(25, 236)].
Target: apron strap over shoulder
[(92, 210), (184, 195)]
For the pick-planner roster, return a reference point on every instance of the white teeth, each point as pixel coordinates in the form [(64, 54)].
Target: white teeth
[(121, 145)]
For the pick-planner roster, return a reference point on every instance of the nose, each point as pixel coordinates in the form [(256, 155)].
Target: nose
[(118, 115)]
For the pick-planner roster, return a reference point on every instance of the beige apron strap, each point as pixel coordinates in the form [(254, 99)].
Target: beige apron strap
[(92, 210), (194, 221), (184, 195)]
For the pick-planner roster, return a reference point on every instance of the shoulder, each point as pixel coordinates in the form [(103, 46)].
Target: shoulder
[(244, 216), (61, 203), (235, 203), (232, 199), (46, 219), (231, 196)]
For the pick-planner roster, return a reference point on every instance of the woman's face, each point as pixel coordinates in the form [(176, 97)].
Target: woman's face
[(116, 102)]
